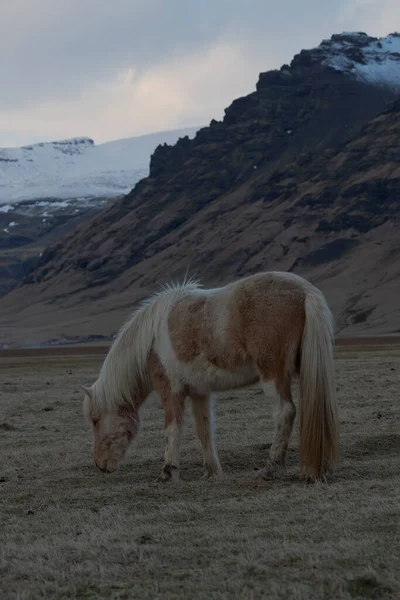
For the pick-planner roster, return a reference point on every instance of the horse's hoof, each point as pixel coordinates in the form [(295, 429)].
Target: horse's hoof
[(264, 475), (271, 472), (316, 478), (211, 472), (169, 473)]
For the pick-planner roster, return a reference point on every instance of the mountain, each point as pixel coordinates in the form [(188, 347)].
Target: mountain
[(47, 189), (369, 59), (301, 175), (78, 168)]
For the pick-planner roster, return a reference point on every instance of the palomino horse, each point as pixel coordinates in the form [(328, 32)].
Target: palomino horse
[(189, 341)]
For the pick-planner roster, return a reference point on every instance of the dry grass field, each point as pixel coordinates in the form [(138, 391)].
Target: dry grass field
[(68, 531)]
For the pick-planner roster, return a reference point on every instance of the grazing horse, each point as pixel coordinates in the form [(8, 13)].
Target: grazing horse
[(188, 341)]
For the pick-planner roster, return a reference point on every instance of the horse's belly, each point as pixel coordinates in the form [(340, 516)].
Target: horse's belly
[(205, 377)]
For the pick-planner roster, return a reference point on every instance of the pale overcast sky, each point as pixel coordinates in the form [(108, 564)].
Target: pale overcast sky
[(109, 69)]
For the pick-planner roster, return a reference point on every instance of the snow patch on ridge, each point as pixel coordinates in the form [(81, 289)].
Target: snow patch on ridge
[(78, 168), (373, 60)]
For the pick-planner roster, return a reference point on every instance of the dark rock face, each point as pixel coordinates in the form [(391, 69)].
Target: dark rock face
[(299, 175), (280, 124)]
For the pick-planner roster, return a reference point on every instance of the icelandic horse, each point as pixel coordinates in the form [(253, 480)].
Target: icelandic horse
[(189, 341)]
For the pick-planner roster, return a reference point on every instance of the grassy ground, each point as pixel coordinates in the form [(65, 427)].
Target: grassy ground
[(68, 531)]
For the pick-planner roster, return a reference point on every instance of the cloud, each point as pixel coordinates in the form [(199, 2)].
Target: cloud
[(185, 91), (59, 47), (116, 69), (375, 17)]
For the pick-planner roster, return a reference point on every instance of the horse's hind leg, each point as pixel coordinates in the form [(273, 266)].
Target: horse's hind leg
[(174, 406), (284, 415), (203, 413)]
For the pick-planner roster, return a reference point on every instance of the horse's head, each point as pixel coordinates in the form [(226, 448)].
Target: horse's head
[(113, 430)]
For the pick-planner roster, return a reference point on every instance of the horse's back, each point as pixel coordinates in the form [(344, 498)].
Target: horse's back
[(270, 302), (253, 321)]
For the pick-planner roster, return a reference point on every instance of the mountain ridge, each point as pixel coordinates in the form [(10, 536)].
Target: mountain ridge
[(77, 167)]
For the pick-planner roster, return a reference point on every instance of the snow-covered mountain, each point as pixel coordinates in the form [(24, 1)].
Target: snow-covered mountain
[(78, 168), (370, 59)]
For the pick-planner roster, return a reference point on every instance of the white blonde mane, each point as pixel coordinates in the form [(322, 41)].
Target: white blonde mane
[(125, 367)]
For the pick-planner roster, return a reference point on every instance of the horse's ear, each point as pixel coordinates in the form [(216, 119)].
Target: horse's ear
[(87, 391)]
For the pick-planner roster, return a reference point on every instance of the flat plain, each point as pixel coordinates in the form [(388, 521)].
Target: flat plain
[(68, 531)]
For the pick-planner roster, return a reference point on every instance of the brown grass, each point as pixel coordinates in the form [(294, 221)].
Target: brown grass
[(68, 531)]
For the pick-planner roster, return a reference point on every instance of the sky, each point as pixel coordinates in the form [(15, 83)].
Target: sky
[(110, 69)]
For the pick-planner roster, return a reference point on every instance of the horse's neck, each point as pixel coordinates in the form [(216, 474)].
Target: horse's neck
[(141, 391), (125, 371), (122, 378)]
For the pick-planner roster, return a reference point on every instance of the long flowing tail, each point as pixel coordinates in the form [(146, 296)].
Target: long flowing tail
[(319, 423)]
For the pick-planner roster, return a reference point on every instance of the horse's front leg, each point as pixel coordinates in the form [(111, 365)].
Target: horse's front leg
[(174, 406)]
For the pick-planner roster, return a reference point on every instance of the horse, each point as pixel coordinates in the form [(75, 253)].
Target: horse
[(187, 341)]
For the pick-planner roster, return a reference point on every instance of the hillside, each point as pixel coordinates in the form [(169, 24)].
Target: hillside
[(300, 175)]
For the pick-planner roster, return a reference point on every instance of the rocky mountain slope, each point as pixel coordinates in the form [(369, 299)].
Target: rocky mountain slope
[(300, 175)]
